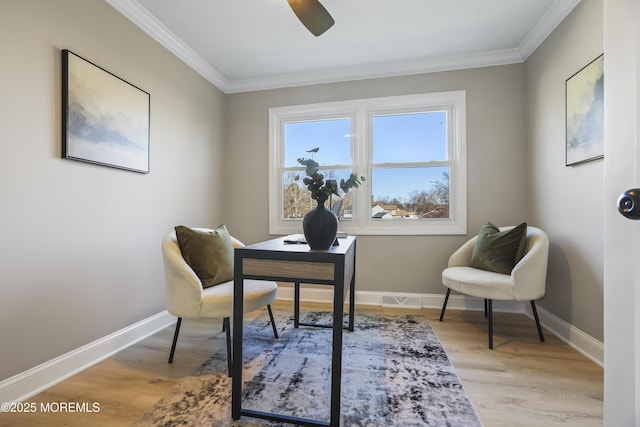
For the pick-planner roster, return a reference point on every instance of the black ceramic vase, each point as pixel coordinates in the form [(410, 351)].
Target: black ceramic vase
[(320, 227)]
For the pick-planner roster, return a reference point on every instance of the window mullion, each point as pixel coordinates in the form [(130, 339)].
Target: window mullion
[(361, 156), (411, 164)]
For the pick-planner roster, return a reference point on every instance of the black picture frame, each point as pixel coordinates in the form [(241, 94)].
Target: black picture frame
[(105, 119), (584, 95)]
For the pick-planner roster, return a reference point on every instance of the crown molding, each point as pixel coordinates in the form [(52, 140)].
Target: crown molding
[(380, 70), (558, 11), (137, 14)]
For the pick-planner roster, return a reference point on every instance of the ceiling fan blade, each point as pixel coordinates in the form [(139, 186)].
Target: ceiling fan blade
[(313, 15)]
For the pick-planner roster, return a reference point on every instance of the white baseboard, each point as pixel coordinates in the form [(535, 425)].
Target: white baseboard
[(377, 298), (580, 341), (41, 377), (463, 302), (29, 383)]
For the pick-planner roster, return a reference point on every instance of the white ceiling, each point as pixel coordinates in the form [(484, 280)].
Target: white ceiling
[(242, 45)]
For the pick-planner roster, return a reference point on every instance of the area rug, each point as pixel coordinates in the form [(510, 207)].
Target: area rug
[(395, 373)]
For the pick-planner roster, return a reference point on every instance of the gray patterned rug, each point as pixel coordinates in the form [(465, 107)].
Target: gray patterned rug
[(395, 373)]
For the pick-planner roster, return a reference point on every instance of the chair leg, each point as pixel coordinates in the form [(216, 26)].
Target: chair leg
[(485, 308), (444, 306), (175, 339), (273, 322), (535, 316), (490, 321), (226, 325)]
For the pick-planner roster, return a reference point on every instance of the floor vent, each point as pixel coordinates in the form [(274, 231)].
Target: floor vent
[(401, 301)]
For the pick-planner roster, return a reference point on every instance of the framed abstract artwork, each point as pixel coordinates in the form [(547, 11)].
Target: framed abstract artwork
[(105, 120), (585, 113)]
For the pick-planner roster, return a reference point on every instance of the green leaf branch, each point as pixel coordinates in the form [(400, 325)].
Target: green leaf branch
[(321, 189)]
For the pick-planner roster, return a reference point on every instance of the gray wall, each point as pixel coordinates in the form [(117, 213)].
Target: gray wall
[(80, 257), (567, 202), (496, 136)]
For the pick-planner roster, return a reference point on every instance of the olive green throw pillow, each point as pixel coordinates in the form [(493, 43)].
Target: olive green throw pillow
[(208, 253), (499, 251)]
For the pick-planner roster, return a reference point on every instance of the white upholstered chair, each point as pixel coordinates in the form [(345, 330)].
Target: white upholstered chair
[(185, 296), (527, 281)]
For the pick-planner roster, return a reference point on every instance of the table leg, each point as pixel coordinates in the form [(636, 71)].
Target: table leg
[(236, 381), (352, 301), (296, 304), (336, 360)]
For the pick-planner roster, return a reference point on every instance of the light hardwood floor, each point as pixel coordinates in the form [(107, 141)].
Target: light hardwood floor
[(522, 382)]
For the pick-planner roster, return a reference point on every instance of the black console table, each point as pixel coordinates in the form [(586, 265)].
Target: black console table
[(278, 261)]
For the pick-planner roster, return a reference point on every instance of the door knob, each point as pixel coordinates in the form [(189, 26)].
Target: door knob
[(629, 203)]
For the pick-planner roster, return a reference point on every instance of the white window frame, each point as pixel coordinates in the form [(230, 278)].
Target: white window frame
[(360, 112)]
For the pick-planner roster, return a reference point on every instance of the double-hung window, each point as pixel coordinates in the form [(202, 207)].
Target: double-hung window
[(410, 150)]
